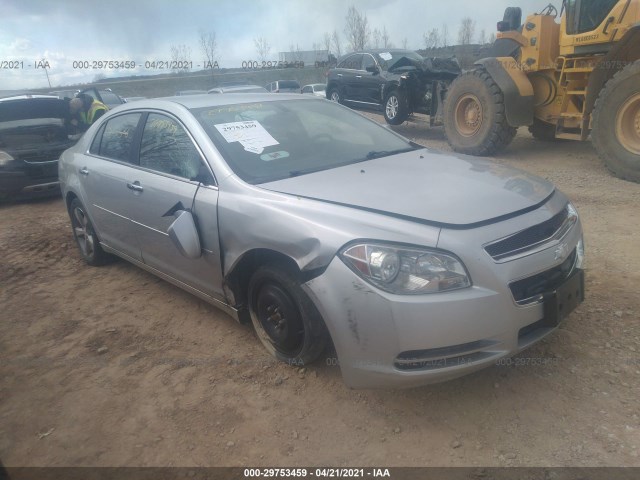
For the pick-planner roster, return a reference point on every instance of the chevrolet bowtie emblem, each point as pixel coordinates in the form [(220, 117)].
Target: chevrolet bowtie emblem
[(561, 251)]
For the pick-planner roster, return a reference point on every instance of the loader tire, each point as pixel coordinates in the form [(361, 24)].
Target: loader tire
[(474, 115), (616, 123)]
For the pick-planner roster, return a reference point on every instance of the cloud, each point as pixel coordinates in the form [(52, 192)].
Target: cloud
[(146, 29)]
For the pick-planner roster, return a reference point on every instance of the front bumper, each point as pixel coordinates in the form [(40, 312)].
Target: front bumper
[(386, 340), (20, 184)]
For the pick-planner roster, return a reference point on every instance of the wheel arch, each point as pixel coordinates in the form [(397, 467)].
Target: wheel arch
[(626, 51), (68, 198), (516, 88), (389, 87), (236, 281)]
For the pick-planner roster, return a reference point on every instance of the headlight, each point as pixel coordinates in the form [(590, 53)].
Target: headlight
[(5, 158), (406, 271)]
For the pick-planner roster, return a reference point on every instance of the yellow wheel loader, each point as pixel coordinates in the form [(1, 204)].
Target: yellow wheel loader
[(567, 78)]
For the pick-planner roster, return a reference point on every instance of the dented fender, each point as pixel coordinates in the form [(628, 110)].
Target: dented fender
[(310, 232)]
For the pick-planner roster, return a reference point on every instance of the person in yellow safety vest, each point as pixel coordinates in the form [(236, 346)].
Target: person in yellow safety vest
[(86, 110)]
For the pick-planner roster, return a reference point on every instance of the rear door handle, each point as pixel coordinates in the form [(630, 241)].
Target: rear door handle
[(358, 76), (339, 74), (135, 186), (84, 171)]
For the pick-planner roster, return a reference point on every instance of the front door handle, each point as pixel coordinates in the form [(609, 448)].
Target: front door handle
[(135, 186), (339, 74), (358, 76), (84, 171)]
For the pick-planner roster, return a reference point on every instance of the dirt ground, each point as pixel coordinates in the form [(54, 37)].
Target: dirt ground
[(113, 367)]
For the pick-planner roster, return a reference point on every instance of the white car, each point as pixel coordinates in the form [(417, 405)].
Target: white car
[(316, 89)]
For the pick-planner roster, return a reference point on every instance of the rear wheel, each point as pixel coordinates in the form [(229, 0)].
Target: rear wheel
[(474, 119), (285, 319), (616, 123), (396, 109)]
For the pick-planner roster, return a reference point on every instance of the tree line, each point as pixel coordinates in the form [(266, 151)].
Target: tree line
[(357, 35)]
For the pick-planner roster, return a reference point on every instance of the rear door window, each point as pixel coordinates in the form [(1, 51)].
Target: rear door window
[(118, 137)]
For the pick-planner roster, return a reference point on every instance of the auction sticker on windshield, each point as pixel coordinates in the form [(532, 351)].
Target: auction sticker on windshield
[(386, 56), (250, 134)]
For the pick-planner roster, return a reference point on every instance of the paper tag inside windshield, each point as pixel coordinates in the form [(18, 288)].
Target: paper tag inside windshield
[(251, 135), (386, 56)]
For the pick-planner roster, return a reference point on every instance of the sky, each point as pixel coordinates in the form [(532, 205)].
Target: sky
[(63, 32)]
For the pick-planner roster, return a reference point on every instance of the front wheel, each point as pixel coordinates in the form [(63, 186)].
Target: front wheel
[(285, 319), (616, 123), (396, 110), (474, 115)]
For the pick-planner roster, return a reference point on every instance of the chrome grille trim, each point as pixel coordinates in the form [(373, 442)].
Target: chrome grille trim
[(508, 248)]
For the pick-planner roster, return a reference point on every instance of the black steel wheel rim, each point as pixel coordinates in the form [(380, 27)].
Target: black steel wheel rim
[(280, 319)]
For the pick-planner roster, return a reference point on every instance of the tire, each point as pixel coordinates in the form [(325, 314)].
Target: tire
[(396, 108), (85, 236), (543, 131), (334, 96), (300, 335), (474, 115), (616, 123)]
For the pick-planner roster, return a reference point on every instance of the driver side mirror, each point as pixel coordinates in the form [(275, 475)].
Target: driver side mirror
[(373, 69), (184, 235)]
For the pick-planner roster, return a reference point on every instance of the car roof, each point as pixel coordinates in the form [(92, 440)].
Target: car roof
[(206, 100), (238, 88)]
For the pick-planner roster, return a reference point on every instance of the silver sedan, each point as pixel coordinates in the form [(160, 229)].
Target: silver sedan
[(320, 226)]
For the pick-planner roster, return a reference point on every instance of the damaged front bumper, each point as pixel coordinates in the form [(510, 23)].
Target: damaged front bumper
[(384, 340)]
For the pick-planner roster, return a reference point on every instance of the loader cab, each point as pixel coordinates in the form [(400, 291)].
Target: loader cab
[(587, 15)]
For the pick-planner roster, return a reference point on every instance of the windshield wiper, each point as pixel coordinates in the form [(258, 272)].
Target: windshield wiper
[(387, 153)]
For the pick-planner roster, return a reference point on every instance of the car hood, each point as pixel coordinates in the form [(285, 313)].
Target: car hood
[(32, 108), (443, 68), (425, 186)]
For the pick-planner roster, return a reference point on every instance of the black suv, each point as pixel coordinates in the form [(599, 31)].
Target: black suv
[(398, 82)]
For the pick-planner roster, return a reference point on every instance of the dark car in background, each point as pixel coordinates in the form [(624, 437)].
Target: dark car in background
[(283, 86), (33, 134), (398, 82)]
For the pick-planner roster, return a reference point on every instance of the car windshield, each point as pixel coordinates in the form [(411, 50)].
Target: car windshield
[(288, 84), (389, 59), (268, 141)]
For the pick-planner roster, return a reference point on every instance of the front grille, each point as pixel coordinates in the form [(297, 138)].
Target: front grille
[(529, 289), (529, 238)]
